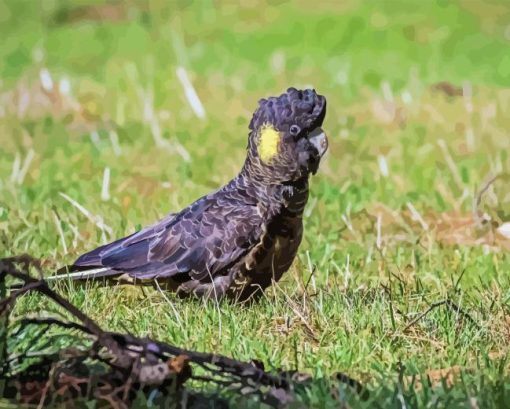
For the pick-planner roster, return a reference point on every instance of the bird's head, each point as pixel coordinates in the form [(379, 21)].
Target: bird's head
[(286, 141)]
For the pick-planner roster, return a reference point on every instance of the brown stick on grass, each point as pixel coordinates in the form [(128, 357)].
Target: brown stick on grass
[(130, 364)]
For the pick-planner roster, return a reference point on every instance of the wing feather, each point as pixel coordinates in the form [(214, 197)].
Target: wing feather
[(202, 240)]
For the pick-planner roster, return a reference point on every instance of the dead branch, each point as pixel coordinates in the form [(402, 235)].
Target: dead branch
[(450, 304), (109, 366)]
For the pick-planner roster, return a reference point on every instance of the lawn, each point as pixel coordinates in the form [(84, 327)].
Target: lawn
[(98, 138)]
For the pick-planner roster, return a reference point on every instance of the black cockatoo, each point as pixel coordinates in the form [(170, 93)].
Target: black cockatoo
[(235, 241)]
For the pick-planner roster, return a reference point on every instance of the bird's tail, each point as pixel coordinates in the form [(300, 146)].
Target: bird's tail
[(77, 273)]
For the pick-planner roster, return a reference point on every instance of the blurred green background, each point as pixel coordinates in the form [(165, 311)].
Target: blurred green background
[(134, 109)]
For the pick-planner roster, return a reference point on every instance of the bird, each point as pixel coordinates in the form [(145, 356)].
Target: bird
[(237, 241)]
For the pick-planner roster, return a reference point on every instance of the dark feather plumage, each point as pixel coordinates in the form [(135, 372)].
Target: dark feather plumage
[(236, 241)]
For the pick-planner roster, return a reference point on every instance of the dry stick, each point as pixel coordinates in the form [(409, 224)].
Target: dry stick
[(484, 189), (244, 372), (423, 314), (449, 303), (42, 287), (479, 195), (460, 311), (206, 360), (52, 321)]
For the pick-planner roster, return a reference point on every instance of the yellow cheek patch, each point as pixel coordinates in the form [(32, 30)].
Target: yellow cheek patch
[(268, 142)]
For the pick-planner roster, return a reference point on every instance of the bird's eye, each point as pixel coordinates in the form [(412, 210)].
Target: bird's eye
[(294, 130)]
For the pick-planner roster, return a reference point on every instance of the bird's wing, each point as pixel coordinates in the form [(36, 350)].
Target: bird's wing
[(202, 240)]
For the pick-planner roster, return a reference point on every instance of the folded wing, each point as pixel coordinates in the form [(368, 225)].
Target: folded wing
[(201, 241)]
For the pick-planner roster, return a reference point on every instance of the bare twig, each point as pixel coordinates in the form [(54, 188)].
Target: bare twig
[(478, 198), (130, 361), (461, 312), (436, 304)]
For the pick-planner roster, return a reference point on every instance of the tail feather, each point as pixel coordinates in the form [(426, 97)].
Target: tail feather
[(82, 273), (71, 273)]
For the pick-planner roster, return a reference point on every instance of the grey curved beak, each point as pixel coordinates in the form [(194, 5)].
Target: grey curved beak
[(319, 140)]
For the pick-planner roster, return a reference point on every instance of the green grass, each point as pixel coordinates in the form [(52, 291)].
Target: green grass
[(376, 62)]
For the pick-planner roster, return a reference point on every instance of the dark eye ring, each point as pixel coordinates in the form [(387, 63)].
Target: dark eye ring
[(294, 130)]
